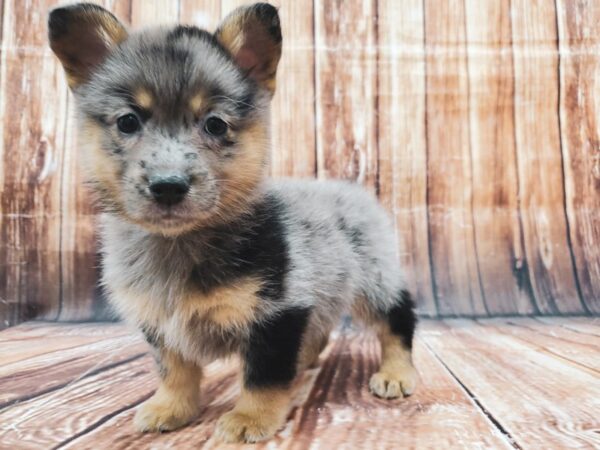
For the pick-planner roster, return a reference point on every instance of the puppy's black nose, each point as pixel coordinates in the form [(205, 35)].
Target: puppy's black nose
[(169, 191)]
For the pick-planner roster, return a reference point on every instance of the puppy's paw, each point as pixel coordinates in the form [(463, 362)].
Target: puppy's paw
[(163, 415), (393, 384), (236, 426)]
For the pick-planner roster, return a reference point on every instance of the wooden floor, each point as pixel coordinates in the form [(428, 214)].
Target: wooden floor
[(501, 383)]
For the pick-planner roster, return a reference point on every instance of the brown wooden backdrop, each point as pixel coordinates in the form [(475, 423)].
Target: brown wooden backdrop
[(475, 121)]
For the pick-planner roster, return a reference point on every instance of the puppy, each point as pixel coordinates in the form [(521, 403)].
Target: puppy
[(203, 253)]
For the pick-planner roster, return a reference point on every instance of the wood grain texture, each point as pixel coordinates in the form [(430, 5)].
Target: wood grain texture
[(475, 122), (453, 251), (401, 138), (293, 108), (55, 369), (15, 350), (153, 12), (505, 373), (120, 8), (501, 264), (32, 107), (539, 157), (577, 324), (205, 14), (77, 406), (467, 397), (340, 401), (40, 330), (346, 82), (333, 408), (8, 309), (39, 357), (579, 46), (549, 339)]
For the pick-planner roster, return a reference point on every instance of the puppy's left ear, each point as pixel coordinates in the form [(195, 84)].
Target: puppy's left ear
[(252, 35), (82, 36)]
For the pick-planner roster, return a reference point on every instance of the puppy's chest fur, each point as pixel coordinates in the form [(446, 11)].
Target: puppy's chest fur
[(201, 326), (199, 295)]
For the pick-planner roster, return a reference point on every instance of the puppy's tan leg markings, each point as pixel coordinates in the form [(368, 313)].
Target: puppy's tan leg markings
[(176, 401), (311, 350), (258, 415), (396, 376)]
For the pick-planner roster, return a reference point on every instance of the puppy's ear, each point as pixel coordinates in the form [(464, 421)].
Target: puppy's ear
[(82, 36), (252, 35)]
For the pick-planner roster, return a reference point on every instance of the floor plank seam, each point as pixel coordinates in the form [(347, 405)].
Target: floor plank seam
[(550, 410), (477, 403), (102, 421), (566, 327), (546, 350), (63, 349), (96, 371)]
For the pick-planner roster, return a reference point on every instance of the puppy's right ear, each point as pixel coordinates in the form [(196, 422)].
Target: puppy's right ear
[(82, 36)]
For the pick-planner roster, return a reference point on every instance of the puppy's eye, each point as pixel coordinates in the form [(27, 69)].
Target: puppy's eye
[(215, 126), (128, 123)]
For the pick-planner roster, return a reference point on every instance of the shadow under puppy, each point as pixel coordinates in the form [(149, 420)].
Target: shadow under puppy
[(201, 251)]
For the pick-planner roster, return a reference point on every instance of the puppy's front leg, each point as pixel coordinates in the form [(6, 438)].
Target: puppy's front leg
[(176, 401), (270, 362)]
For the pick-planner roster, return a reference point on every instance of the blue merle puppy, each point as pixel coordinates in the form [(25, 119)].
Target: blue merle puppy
[(201, 251)]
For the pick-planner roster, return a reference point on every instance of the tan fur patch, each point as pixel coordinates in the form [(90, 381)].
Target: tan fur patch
[(231, 33), (314, 341), (232, 306), (257, 415), (144, 98), (244, 172), (197, 102), (176, 401), (98, 165), (397, 375)]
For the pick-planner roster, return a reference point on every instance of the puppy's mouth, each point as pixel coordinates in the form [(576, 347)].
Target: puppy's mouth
[(174, 219), (170, 223)]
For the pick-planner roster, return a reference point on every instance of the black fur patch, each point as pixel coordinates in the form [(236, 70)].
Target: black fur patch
[(143, 113), (151, 336), (191, 32), (117, 149), (127, 95), (402, 318), (58, 22), (269, 17), (61, 18), (271, 353), (353, 233), (254, 245)]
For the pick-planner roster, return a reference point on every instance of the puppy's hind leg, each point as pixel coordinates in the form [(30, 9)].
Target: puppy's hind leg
[(396, 376)]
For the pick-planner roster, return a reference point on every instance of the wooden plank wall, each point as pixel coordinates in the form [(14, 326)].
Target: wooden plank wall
[(474, 122)]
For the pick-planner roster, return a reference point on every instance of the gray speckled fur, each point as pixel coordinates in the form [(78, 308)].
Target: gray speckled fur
[(329, 271)]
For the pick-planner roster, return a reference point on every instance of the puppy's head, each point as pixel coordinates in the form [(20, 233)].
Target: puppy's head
[(174, 122)]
